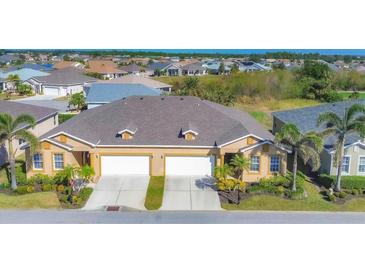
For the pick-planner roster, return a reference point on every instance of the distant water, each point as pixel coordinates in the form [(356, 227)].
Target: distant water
[(356, 52)]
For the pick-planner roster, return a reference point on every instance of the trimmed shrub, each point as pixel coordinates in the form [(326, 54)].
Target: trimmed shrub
[(21, 190), (342, 195), (85, 193), (61, 188), (355, 192), (46, 187), (30, 189), (40, 179), (331, 198), (347, 182)]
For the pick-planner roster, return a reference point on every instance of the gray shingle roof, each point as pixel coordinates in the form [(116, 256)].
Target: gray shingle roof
[(106, 93), (160, 120), (14, 109), (306, 118), (65, 77)]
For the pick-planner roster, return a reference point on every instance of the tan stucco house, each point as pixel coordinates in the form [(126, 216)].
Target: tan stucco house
[(46, 118), (157, 136), (306, 120)]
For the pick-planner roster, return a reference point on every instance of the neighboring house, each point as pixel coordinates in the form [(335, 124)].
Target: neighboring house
[(134, 79), (33, 66), (250, 66), (306, 120), (137, 70), (2, 84), (68, 64), (23, 73), (47, 119), (102, 93), (7, 59), (168, 69), (158, 135), (108, 69), (61, 82), (195, 69), (213, 67)]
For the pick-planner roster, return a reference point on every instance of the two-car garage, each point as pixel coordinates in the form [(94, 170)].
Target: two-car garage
[(141, 165)]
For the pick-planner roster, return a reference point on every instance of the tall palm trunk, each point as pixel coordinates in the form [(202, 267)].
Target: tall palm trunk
[(12, 165), (295, 168), (339, 166)]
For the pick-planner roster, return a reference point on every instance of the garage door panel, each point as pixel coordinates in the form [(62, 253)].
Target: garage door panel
[(51, 91), (125, 165), (190, 165)]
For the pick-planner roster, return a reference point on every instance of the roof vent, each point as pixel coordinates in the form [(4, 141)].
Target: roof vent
[(162, 98), (141, 98), (181, 98)]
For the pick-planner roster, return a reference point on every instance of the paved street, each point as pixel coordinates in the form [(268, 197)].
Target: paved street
[(178, 217)]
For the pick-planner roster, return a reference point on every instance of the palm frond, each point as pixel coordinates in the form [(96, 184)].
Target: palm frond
[(354, 110), (29, 137), (309, 154), (24, 119), (313, 140), (358, 127), (6, 121), (289, 134), (330, 118)]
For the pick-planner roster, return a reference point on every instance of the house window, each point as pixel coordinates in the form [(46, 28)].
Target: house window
[(37, 161), (58, 161), (346, 164), (274, 164), (255, 163), (362, 164)]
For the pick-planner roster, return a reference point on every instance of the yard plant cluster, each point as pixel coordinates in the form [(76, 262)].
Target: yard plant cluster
[(62, 184)]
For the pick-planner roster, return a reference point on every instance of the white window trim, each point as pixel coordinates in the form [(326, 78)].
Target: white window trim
[(358, 165), (54, 161), (344, 172), (36, 168), (259, 158)]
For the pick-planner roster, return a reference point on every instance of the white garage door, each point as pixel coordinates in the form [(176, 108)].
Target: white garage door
[(50, 91), (195, 165), (125, 165)]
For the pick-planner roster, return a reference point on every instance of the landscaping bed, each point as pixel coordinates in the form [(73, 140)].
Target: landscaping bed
[(278, 185), (68, 197), (155, 193)]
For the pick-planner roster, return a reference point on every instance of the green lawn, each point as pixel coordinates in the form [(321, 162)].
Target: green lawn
[(64, 117), (314, 202), (346, 94), (155, 193), (33, 200), (12, 97), (263, 118)]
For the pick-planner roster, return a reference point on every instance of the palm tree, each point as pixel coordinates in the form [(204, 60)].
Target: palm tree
[(353, 121), (240, 163), (9, 131), (223, 171), (306, 146)]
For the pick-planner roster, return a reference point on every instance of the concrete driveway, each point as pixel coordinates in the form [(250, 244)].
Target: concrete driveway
[(129, 191), (190, 193), (45, 101)]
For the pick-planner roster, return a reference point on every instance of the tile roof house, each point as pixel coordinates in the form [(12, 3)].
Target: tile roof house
[(102, 93), (306, 120), (108, 69), (165, 68), (47, 119), (146, 135), (194, 69), (68, 64), (134, 69), (61, 82), (134, 79), (23, 73), (249, 66)]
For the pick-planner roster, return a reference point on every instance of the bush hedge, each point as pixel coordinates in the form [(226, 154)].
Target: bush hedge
[(347, 182)]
